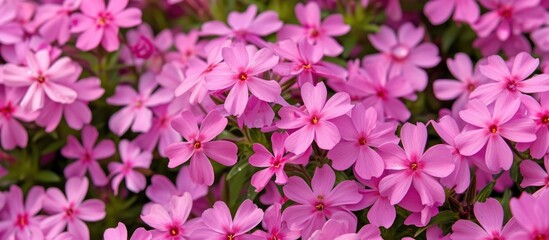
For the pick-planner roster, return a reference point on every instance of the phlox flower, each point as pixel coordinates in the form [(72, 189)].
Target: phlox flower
[(491, 45), (382, 212), (136, 111), (10, 31), (314, 30), (144, 49), (132, 158), (87, 155), (274, 162), (337, 227), (53, 20), (100, 24), (170, 221), (12, 133), (318, 203), (43, 78), (534, 175), (218, 223), (272, 195), (241, 72), (186, 45), (531, 214), (404, 54), (539, 112), (71, 210), (257, 114), (199, 146), (121, 233), (489, 128), (161, 133), (314, 121), (360, 133), (439, 11), (274, 226), (510, 81), (490, 216), (20, 220), (413, 166)]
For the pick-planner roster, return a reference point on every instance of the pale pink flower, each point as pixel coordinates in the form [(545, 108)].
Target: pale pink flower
[(337, 227), (534, 175), (71, 210), (100, 24), (241, 72), (12, 133), (491, 45), (314, 120), (199, 146), (531, 214), (257, 114), (218, 223), (170, 221), (314, 30), (274, 226), (54, 20), (161, 132), (87, 155), (10, 31), (272, 195), (121, 233), (539, 112), (438, 11), (20, 220), (382, 212), (132, 158)]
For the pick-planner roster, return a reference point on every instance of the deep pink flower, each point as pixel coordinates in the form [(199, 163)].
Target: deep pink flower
[(489, 128), (200, 147), (241, 72), (43, 79), (404, 54), (469, 79), (510, 82), (54, 20), (132, 157), (274, 162), (414, 166), (534, 175), (490, 216), (531, 214), (360, 133), (539, 112), (20, 220), (144, 49), (314, 121), (136, 111), (100, 24), (12, 133), (315, 31), (491, 45), (305, 62), (121, 233), (382, 212), (87, 155), (218, 223), (274, 226), (71, 210), (509, 17), (170, 221), (245, 26), (314, 207), (438, 11)]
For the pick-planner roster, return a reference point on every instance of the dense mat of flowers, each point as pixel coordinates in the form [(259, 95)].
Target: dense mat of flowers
[(238, 119)]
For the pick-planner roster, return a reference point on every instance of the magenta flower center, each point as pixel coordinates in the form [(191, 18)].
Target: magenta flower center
[(243, 76), (306, 66), (7, 111), (547, 181), (470, 87), (41, 78), (87, 157), (545, 119), (414, 166), (493, 128), (174, 231), (512, 85), (230, 236), (540, 237), (505, 12), (314, 33), (69, 212), (143, 48), (314, 120), (277, 163), (197, 145), (400, 52), (362, 141), (320, 205), (22, 220), (103, 19)]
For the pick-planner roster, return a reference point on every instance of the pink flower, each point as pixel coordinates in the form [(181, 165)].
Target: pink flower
[(539, 112), (54, 20), (101, 25), (508, 18), (71, 210), (132, 158), (438, 11), (468, 80), (360, 133), (121, 233), (241, 71), (20, 220), (274, 226), (200, 146), (534, 175), (314, 121), (531, 214), (272, 195), (382, 91), (258, 114), (10, 31), (274, 163), (404, 54), (144, 49), (186, 47), (412, 166), (338, 227), (161, 132), (510, 82), (490, 128), (315, 31), (305, 62), (490, 216), (314, 208), (170, 221), (136, 112), (12, 133), (245, 26), (42, 78), (382, 212), (491, 45), (218, 223), (87, 155)]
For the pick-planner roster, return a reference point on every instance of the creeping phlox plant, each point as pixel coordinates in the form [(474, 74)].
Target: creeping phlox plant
[(274, 120)]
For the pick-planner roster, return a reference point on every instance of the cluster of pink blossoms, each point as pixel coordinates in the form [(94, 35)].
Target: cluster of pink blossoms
[(324, 122)]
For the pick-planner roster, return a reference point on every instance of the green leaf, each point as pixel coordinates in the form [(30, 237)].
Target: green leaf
[(449, 37), (486, 192), (47, 176), (471, 193), (441, 218), (241, 166)]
